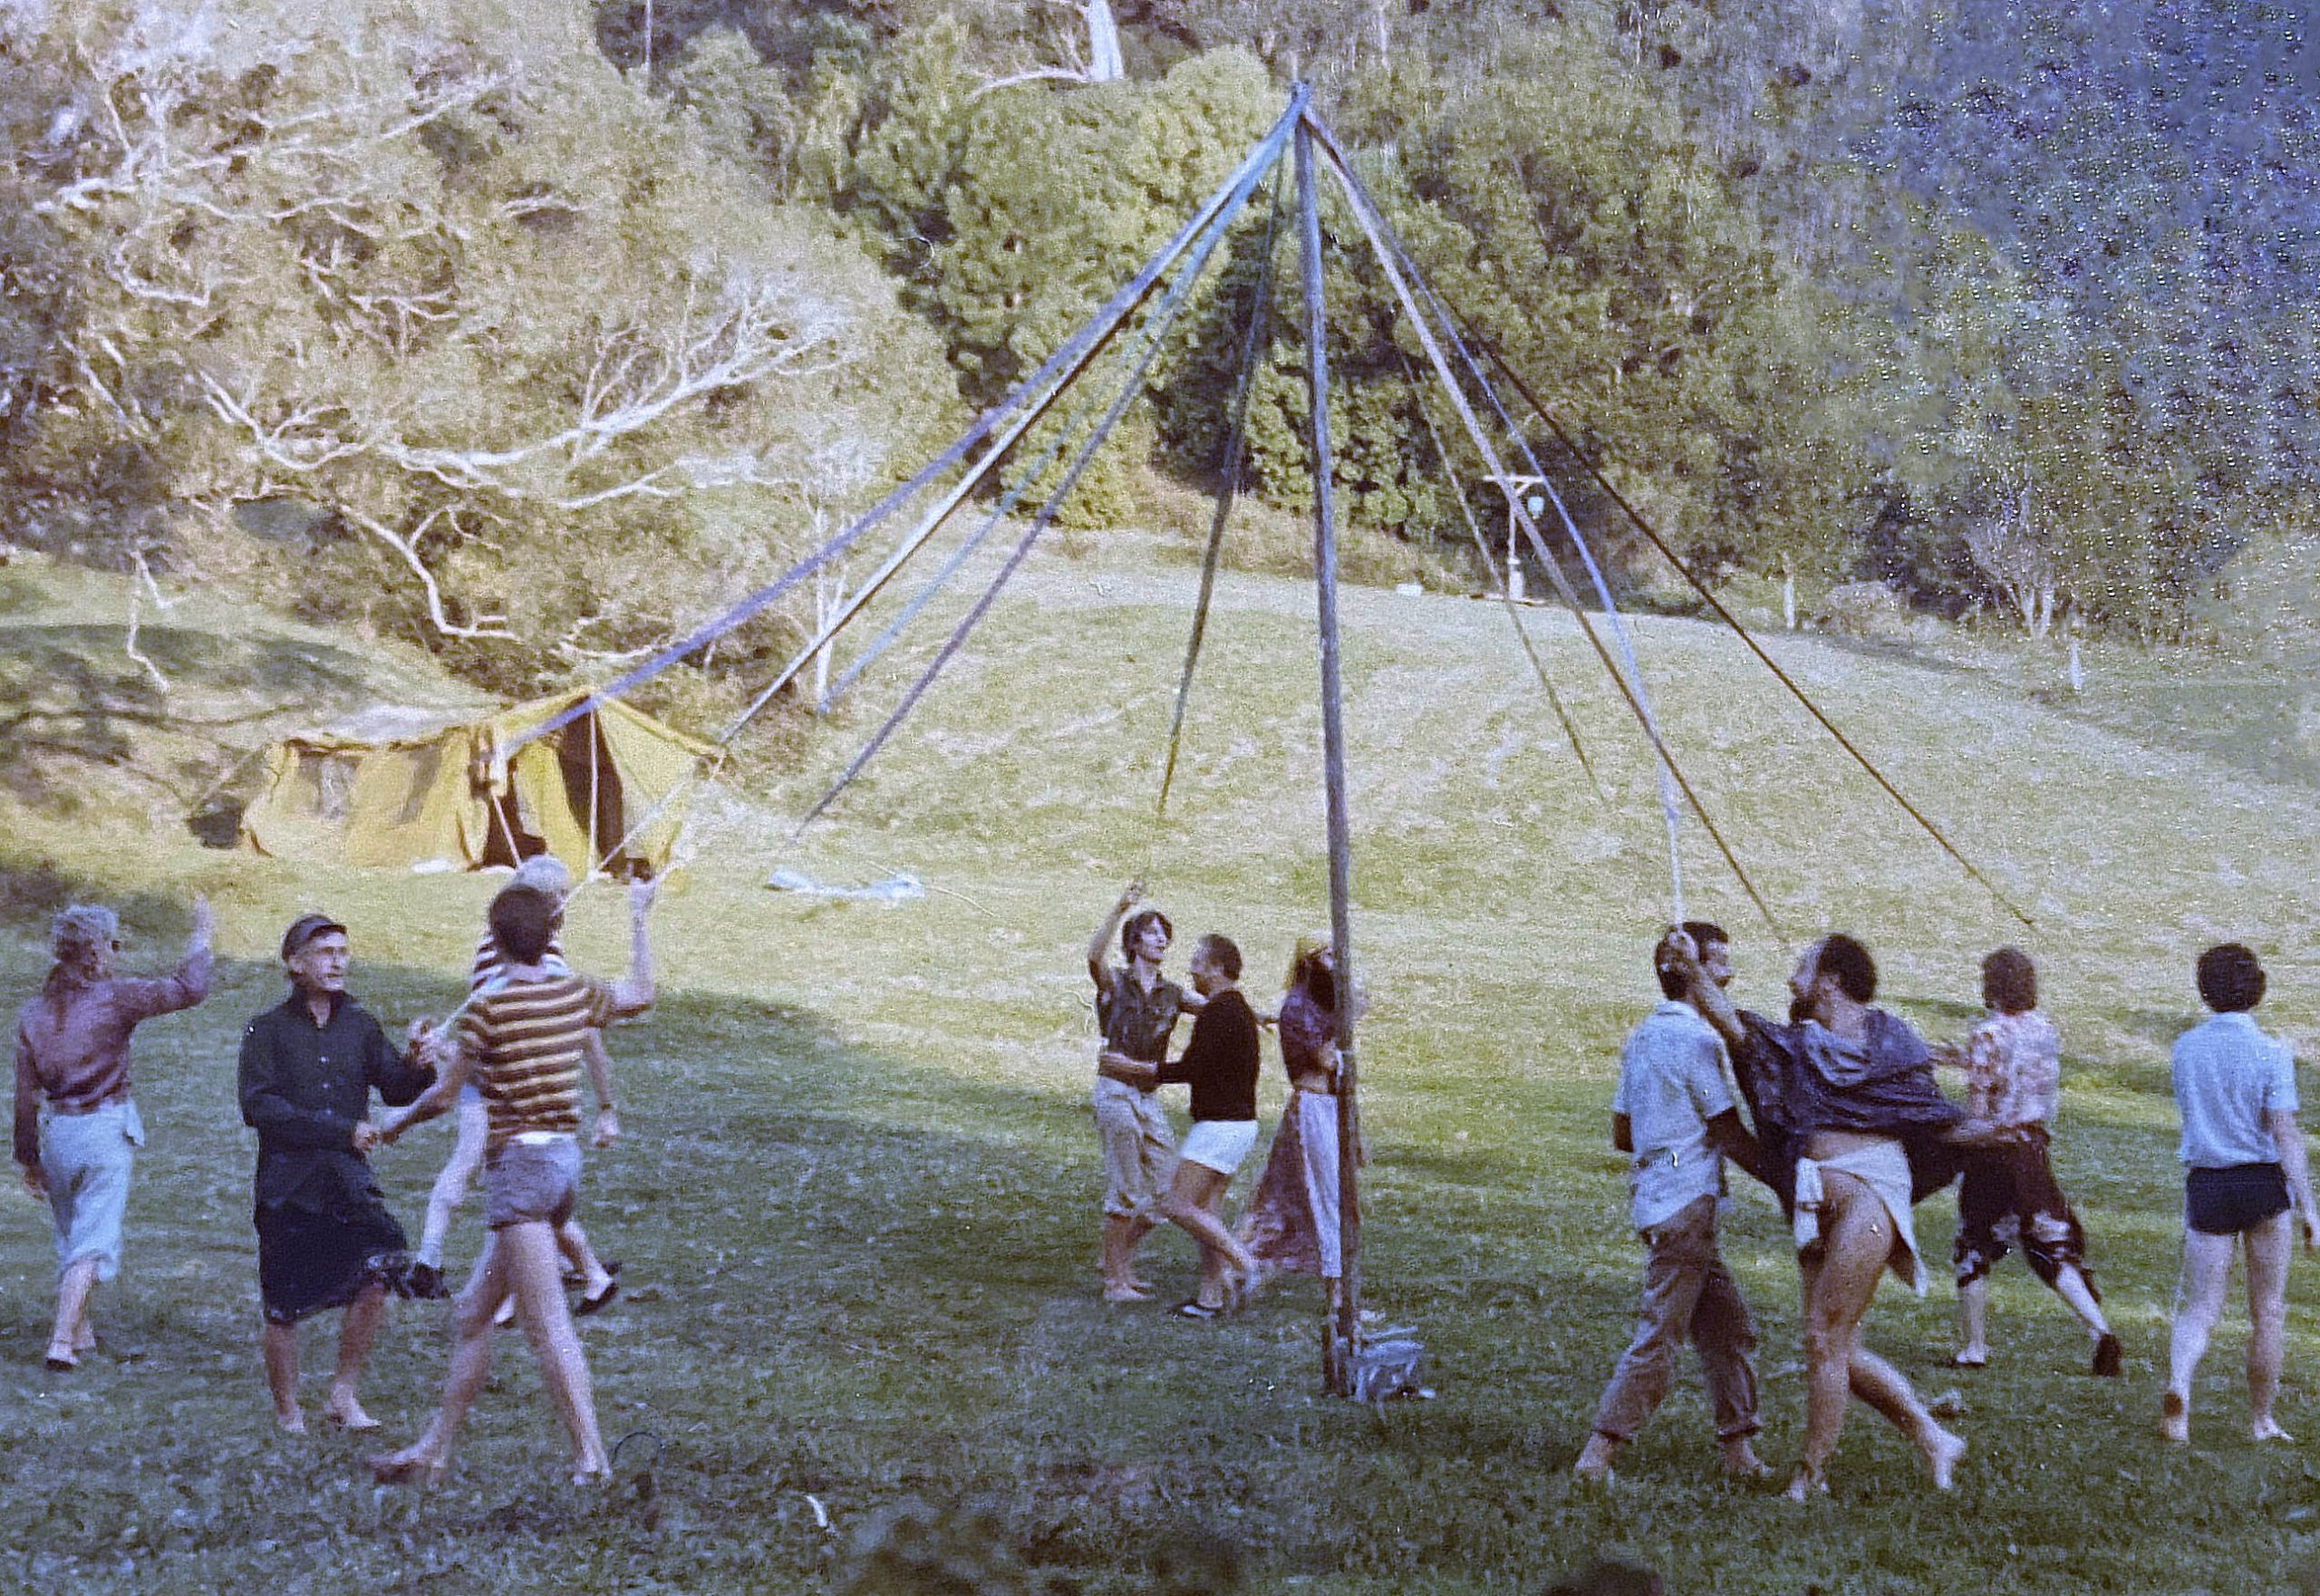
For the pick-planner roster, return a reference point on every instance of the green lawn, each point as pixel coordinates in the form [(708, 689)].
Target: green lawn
[(857, 1202)]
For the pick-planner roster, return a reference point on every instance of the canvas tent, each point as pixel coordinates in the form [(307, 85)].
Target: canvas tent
[(411, 787)]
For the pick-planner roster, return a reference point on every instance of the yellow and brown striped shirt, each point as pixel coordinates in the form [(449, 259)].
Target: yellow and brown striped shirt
[(525, 1039)]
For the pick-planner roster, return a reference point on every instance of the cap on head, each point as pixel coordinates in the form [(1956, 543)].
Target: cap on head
[(304, 930), (543, 873)]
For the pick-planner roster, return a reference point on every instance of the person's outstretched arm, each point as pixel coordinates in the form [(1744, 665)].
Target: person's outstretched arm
[(436, 1099), (634, 993), (184, 987), (1099, 946)]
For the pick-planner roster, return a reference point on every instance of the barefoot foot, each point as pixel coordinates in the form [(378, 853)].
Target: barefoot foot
[(1594, 1464), (2267, 1428), (290, 1422), (1942, 1450), (1806, 1485), (1741, 1462), (2175, 1418), (1124, 1293), (343, 1412)]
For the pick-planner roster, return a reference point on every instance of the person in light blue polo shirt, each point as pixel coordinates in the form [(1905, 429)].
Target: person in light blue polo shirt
[(2234, 1087), (1674, 1114)]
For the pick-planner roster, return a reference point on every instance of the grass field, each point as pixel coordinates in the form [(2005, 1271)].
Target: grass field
[(857, 1201)]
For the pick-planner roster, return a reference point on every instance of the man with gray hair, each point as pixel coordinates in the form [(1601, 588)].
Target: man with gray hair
[(72, 1060), (542, 873)]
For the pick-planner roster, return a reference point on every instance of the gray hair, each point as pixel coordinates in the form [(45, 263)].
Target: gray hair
[(543, 873), (81, 927)]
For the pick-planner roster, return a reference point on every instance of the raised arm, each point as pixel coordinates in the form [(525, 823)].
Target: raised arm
[(187, 985), (1677, 954), (634, 993), (1099, 946)]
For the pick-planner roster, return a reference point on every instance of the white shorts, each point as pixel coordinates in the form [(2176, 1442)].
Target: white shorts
[(1218, 1144)]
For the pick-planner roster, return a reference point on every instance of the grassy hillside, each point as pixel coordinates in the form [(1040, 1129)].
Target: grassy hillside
[(857, 1204)]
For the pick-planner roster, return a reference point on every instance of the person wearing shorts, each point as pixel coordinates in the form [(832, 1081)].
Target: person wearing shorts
[(1137, 1007), (2235, 1088), (545, 873), (526, 1040), (1219, 1065)]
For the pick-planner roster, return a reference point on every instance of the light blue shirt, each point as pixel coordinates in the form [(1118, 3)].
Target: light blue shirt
[(1671, 1084), (2229, 1074)]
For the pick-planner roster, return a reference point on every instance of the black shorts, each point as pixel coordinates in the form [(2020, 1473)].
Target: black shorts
[(2010, 1199), (2238, 1197)]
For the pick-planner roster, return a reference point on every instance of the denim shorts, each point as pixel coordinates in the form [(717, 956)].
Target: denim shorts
[(531, 1182)]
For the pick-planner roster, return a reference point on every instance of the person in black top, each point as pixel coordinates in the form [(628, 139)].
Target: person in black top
[(1219, 1065), (324, 1237)]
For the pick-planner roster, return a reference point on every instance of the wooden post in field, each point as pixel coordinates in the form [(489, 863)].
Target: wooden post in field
[(1337, 1339)]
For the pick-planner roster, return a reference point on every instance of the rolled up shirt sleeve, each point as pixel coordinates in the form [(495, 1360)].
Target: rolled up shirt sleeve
[(274, 1116)]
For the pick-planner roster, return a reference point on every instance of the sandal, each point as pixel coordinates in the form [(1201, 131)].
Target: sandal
[(587, 1305), (1193, 1308)]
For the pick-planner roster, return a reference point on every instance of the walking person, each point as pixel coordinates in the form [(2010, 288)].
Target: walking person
[(1675, 1115), (1137, 1007), (77, 1126), (2248, 1184), (1220, 1064), (525, 1038), (544, 872), (2009, 1197), (1853, 1082), (1291, 1223), (324, 1237)]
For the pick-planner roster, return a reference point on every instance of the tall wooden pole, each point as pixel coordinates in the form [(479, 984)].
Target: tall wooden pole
[(1335, 1369)]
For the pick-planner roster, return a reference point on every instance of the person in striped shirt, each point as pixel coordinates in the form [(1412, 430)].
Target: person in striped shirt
[(545, 873), (525, 1040)]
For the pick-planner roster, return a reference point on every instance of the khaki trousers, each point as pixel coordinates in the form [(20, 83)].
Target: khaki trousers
[(1688, 1294)]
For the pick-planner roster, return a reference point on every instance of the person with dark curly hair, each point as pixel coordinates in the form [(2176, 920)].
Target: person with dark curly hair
[(1137, 1006), (2248, 1177)]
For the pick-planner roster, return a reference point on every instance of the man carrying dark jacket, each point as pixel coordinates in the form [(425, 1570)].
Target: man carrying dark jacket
[(324, 1237)]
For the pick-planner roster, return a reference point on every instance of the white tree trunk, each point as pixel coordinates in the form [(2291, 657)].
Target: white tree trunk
[(2077, 676), (1788, 600), (829, 597), (1104, 62)]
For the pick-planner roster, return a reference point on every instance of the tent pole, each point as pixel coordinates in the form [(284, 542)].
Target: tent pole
[(1338, 1342), (596, 752)]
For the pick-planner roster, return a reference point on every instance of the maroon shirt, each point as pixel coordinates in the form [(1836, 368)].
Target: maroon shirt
[(79, 1059)]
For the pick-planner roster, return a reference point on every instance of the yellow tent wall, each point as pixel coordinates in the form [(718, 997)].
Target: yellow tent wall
[(421, 796)]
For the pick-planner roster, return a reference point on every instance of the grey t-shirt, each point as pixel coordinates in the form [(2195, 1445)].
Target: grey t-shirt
[(1671, 1084), (2229, 1074)]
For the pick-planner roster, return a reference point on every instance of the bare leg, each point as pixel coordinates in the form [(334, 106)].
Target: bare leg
[(72, 1291), (450, 1188), (279, 1343), (1189, 1203), (547, 1325), (357, 1329), (2267, 1256), (572, 1242), (1840, 1281), (1973, 1321), (425, 1459), (2199, 1303), (1120, 1237)]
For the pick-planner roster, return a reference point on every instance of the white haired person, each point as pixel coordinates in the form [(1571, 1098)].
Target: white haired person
[(542, 873), (77, 1130)]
